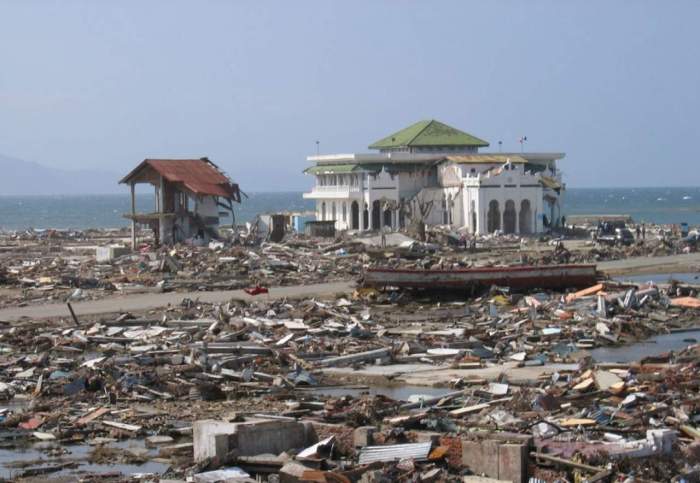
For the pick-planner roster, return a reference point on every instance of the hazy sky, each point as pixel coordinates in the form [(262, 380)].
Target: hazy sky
[(254, 84)]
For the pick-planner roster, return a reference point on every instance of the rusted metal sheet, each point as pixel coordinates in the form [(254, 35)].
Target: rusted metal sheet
[(200, 176), (546, 276)]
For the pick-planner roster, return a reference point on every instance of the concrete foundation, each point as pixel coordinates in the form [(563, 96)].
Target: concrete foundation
[(217, 439)]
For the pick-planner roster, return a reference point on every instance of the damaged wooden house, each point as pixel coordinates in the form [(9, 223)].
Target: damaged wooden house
[(189, 194)]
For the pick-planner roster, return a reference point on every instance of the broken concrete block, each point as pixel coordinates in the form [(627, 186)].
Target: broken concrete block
[(109, 253), (505, 461), (605, 379), (512, 462), (481, 457), (362, 436), (250, 438), (292, 472), (206, 444)]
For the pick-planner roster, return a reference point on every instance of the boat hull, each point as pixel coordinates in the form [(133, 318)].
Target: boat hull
[(545, 276)]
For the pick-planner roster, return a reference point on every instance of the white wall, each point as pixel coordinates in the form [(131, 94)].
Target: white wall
[(469, 193), (510, 184)]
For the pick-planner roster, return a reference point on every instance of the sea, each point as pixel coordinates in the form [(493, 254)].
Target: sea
[(649, 205)]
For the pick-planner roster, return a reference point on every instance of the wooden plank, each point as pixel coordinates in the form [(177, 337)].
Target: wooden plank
[(92, 416), (124, 426)]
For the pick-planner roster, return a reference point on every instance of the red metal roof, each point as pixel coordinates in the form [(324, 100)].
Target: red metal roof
[(200, 176)]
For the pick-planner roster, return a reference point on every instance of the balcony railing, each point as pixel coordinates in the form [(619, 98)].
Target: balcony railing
[(336, 189), (332, 191)]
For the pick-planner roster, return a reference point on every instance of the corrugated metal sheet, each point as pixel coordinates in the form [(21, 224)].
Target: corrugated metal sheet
[(416, 451), (200, 176)]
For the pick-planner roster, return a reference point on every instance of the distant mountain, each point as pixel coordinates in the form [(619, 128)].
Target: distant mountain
[(19, 177)]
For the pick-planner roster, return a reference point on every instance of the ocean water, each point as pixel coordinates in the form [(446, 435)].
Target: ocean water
[(650, 205), (105, 211)]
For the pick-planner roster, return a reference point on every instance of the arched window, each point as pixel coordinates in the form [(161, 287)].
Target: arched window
[(445, 216), (493, 217), (509, 217)]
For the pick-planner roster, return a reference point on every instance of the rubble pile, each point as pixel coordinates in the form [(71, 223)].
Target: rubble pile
[(65, 266), (40, 266), (501, 386)]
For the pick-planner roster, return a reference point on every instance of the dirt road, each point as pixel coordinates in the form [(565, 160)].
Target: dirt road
[(646, 265), (139, 302), (134, 303)]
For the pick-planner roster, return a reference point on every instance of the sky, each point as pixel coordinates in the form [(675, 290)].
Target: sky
[(254, 84)]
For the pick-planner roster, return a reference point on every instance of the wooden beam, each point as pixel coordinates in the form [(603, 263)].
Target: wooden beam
[(161, 210), (133, 212), (569, 463)]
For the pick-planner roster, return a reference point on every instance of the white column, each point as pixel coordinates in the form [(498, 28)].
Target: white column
[(361, 213), (370, 215)]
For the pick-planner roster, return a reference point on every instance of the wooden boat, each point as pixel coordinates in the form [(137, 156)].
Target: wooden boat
[(523, 276)]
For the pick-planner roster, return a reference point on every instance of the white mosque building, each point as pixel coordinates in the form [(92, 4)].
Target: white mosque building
[(434, 165)]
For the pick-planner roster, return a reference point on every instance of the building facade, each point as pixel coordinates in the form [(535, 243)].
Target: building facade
[(436, 173)]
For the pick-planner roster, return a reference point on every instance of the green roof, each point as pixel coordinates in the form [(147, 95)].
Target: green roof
[(428, 133)]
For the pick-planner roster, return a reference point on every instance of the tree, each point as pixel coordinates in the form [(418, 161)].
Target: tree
[(416, 211)]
